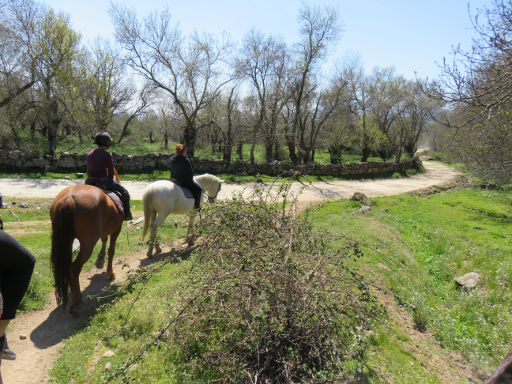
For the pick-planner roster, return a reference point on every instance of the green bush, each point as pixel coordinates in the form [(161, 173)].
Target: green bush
[(269, 301)]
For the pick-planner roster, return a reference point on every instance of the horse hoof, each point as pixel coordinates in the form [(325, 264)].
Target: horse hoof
[(149, 255), (75, 311), (100, 264), (111, 277)]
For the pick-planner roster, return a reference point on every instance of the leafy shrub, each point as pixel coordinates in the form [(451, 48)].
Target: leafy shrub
[(269, 302)]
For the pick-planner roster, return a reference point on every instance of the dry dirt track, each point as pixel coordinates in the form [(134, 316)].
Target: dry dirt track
[(46, 329), (436, 174)]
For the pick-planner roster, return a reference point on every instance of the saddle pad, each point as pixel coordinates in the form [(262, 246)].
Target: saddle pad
[(116, 199), (187, 192)]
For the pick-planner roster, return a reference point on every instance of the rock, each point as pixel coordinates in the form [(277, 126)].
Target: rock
[(23, 336), (23, 205), (469, 280), (67, 177), (76, 245), (361, 197), (364, 209), (79, 175), (137, 221), (108, 366), (108, 354)]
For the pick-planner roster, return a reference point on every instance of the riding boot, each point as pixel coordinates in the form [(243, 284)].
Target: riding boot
[(125, 199), (197, 203)]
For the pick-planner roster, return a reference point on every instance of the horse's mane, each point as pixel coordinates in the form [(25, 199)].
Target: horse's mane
[(207, 180)]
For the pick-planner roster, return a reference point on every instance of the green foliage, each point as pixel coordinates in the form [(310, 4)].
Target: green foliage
[(261, 295), (425, 243), (270, 301)]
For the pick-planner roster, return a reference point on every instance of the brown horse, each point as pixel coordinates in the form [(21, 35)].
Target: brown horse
[(86, 213)]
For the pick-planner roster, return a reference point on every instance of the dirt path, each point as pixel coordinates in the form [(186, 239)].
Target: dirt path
[(37, 336), (436, 174)]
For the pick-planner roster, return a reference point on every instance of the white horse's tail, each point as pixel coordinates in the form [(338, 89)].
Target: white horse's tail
[(149, 211)]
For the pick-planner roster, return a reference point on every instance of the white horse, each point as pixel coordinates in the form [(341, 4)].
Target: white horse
[(164, 197)]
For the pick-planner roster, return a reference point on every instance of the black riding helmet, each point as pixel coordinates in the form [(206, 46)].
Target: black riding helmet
[(102, 139)]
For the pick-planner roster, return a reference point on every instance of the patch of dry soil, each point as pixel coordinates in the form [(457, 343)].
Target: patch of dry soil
[(37, 336)]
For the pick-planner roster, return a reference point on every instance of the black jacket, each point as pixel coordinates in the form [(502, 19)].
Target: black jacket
[(182, 169)]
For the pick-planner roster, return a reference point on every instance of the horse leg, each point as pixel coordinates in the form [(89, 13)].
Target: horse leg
[(74, 282), (100, 260), (111, 251), (190, 228), (152, 234)]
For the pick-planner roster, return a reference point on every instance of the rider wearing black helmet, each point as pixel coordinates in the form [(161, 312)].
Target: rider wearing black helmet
[(100, 170)]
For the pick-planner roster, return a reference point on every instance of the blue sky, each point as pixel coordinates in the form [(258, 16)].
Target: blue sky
[(411, 35)]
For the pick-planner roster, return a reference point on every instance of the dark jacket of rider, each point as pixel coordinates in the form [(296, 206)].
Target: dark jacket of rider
[(182, 173), (100, 171)]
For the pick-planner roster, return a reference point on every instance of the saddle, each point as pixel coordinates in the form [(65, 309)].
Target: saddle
[(186, 191), (114, 196)]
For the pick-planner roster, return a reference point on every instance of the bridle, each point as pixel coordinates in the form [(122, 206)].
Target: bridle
[(211, 199)]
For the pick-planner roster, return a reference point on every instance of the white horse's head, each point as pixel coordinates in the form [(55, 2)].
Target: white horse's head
[(210, 184)]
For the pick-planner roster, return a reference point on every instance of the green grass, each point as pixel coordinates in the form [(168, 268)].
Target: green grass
[(413, 248), (425, 243)]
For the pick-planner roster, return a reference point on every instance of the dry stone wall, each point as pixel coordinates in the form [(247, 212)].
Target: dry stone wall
[(17, 161)]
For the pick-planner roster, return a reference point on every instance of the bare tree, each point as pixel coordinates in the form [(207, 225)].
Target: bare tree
[(53, 49), (387, 91), (109, 92), (142, 102), (318, 27), (477, 84), (322, 107), (16, 65), (191, 71), (263, 61), (413, 117)]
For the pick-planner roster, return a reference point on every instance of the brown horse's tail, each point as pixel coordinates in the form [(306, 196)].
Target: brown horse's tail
[(149, 211), (63, 234)]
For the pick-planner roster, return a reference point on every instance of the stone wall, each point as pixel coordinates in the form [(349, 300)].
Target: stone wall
[(16, 161)]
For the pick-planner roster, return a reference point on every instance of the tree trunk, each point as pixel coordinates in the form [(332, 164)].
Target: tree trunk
[(251, 154), (291, 150), (190, 139), (268, 150), (335, 154), (240, 151)]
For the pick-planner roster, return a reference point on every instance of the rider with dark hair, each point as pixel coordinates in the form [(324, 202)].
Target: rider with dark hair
[(16, 267), (182, 173), (100, 171)]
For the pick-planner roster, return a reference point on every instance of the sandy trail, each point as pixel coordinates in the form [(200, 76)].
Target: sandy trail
[(436, 174), (37, 336)]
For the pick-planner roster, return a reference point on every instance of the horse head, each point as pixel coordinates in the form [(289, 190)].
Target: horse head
[(210, 184)]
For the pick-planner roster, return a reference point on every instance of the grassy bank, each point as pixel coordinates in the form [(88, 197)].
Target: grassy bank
[(413, 247)]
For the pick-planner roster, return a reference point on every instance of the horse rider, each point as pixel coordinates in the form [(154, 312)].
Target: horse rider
[(16, 267), (100, 171), (182, 173)]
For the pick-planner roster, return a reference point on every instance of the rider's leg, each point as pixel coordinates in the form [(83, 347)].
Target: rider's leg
[(196, 191), (125, 199)]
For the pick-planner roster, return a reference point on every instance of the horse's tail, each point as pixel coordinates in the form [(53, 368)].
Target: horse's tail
[(149, 211), (63, 234)]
